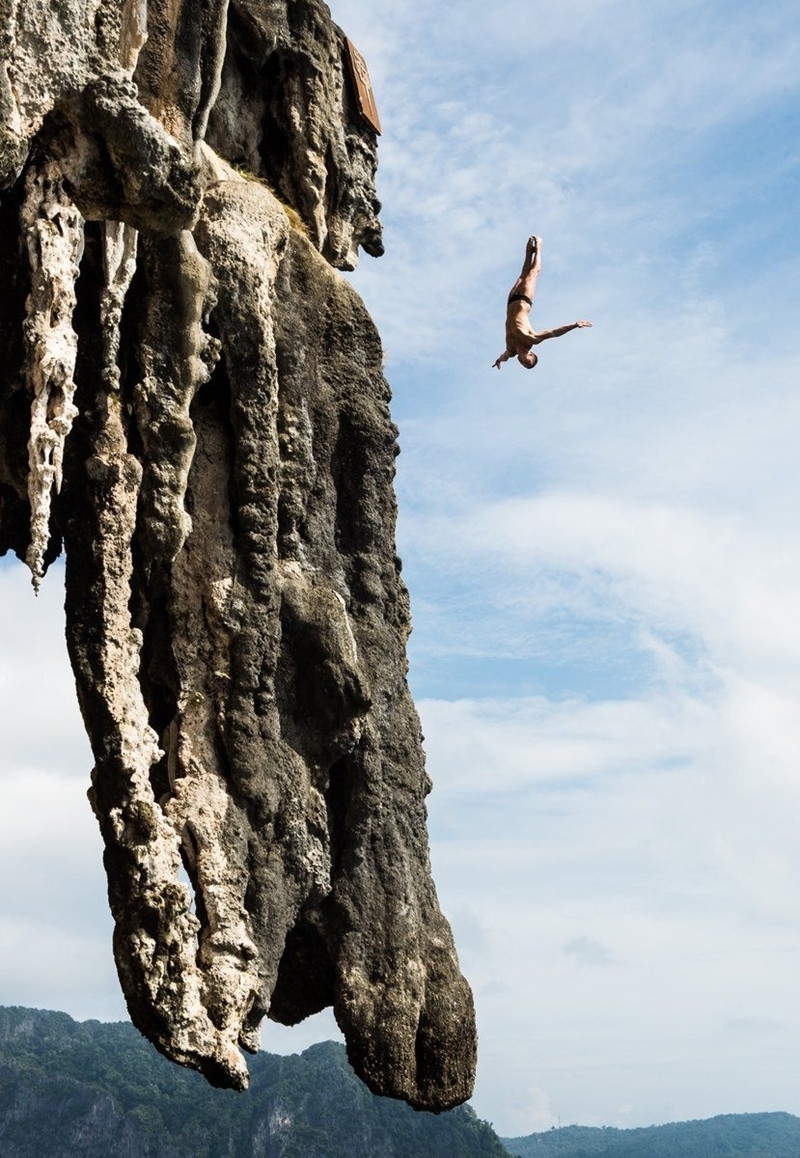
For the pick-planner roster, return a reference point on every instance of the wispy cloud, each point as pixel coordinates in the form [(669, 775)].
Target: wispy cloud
[(644, 836), (586, 951)]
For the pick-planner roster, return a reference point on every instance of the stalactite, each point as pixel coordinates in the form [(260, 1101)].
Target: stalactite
[(53, 232)]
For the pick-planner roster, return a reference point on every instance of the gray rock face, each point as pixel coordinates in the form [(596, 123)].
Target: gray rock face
[(192, 401), (286, 112)]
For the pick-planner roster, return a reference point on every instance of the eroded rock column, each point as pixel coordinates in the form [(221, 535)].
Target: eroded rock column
[(209, 394)]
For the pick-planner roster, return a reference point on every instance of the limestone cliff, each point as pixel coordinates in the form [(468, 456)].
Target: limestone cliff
[(192, 403)]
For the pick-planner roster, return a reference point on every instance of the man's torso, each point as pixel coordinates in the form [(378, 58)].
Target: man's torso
[(519, 335)]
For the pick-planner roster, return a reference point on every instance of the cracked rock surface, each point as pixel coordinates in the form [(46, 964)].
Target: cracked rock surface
[(192, 406)]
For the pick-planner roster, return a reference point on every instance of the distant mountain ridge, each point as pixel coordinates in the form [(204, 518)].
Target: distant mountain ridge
[(96, 1090), (727, 1136)]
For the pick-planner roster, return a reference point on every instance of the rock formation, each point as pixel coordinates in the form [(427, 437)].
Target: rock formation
[(192, 404)]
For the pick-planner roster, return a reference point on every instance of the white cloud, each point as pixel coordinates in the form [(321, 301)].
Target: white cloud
[(587, 951), (676, 594), (41, 726), (55, 929), (666, 857)]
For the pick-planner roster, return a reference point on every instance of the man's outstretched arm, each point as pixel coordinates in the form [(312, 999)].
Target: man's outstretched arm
[(543, 335)]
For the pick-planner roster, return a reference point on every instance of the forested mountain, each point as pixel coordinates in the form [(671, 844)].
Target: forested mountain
[(728, 1136), (94, 1090)]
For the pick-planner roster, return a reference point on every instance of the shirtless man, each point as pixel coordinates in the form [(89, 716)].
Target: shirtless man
[(519, 335)]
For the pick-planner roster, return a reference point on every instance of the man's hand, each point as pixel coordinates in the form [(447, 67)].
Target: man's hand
[(503, 358), (583, 325)]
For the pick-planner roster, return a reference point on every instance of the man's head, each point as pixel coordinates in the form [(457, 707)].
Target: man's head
[(528, 360)]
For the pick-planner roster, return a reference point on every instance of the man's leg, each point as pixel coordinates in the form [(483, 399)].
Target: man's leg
[(526, 282)]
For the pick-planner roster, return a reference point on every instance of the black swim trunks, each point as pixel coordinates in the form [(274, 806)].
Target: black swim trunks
[(519, 298)]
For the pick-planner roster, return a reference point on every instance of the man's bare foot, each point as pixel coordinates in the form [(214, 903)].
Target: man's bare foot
[(533, 244)]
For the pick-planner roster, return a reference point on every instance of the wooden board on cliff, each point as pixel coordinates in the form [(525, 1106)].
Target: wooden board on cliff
[(365, 97)]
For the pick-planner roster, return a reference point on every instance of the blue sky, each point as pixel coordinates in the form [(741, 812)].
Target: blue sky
[(602, 556)]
